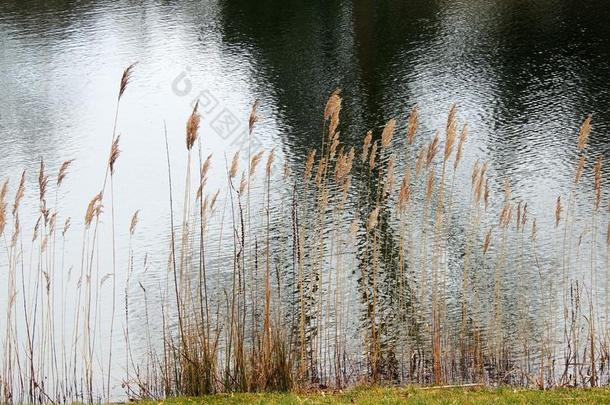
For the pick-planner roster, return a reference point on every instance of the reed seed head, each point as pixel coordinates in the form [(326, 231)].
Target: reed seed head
[(405, 191), (270, 160), (366, 145), (214, 199), (460, 148), (125, 78), (333, 105), (234, 164), (450, 132), (114, 153), (412, 123), (253, 116), (390, 178), (67, 224), (63, 171), (309, 165), (134, 222), (255, 161), (373, 156), (205, 167), (19, 194), (487, 241), (387, 133), (192, 127), (243, 183), (432, 149), (94, 208), (42, 181), (583, 134)]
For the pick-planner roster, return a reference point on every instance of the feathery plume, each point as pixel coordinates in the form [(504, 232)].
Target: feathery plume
[(333, 105), (583, 134), (458, 154), (366, 145), (134, 222), (373, 156), (390, 179), (67, 224), (387, 133), (205, 167), (405, 191), (93, 208), (450, 132), (255, 161), (309, 165), (114, 153), (63, 171), (412, 123), (192, 127), (19, 194), (270, 160), (42, 181), (487, 241), (234, 164), (125, 79), (253, 116), (243, 183)]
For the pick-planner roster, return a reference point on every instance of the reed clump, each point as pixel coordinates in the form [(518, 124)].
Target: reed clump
[(374, 262)]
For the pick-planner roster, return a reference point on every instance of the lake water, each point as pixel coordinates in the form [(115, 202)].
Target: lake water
[(523, 75)]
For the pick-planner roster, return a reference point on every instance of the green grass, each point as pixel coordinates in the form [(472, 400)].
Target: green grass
[(388, 396)]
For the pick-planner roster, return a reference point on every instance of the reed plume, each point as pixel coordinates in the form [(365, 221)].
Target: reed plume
[(583, 134), (309, 165), (125, 78), (114, 154), (63, 171), (253, 116), (387, 133), (412, 124), (450, 132), (234, 164), (192, 127), (458, 154), (94, 208), (134, 222), (366, 145), (19, 194)]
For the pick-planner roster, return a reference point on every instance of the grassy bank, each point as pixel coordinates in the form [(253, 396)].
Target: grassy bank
[(410, 396)]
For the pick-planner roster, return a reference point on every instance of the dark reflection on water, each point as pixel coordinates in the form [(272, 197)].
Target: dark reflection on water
[(523, 74)]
